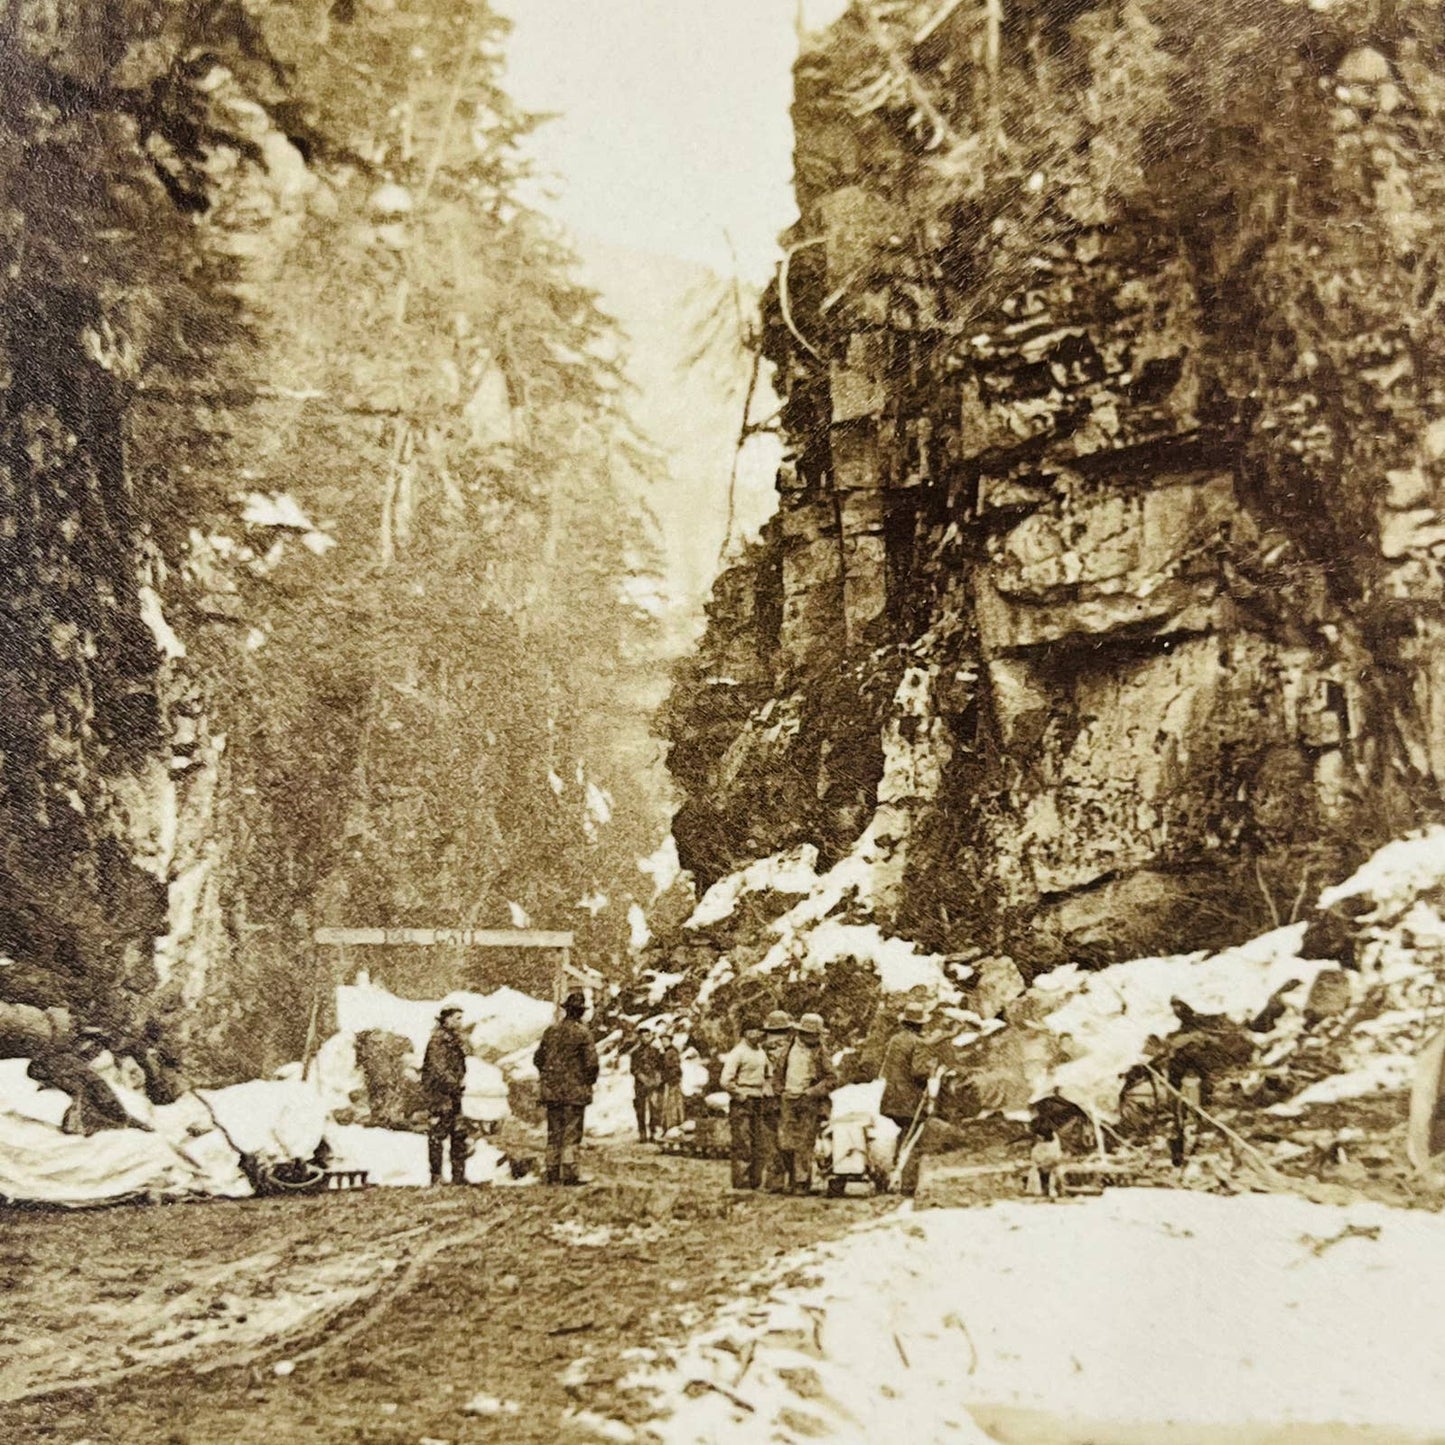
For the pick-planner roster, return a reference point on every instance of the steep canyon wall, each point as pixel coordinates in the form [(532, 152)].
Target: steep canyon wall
[(1103, 600)]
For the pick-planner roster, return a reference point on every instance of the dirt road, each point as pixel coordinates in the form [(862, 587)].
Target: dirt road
[(387, 1311)]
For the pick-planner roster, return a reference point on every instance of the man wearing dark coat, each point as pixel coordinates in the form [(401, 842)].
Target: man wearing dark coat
[(443, 1077), (907, 1066), (647, 1088), (566, 1061), (805, 1081)]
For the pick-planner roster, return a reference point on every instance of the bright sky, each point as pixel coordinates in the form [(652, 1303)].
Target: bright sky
[(674, 132)]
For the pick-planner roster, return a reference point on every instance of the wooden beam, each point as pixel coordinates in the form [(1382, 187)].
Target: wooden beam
[(425, 937)]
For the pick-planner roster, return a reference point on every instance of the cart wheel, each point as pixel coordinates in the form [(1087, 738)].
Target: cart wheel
[(836, 1188)]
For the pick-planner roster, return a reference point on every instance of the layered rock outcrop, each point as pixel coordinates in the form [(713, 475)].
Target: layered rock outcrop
[(1104, 593)]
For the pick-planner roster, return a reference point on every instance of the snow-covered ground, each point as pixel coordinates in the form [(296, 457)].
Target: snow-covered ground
[(1139, 1316)]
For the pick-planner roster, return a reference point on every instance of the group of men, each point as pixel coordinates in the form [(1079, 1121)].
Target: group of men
[(656, 1085), (567, 1067), (778, 1079)]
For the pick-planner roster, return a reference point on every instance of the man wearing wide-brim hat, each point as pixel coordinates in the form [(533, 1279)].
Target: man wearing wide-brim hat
[(777, 1037), (443, 1081), (566, 1062), (907, 1066), (806, 1081)]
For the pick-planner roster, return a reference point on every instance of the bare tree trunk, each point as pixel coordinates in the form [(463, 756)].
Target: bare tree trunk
[(993, 28)]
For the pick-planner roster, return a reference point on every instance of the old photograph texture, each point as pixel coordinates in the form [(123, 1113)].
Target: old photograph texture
[(722, 721)]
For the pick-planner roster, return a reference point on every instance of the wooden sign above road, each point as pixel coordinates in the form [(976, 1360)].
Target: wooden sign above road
[(469, 937)]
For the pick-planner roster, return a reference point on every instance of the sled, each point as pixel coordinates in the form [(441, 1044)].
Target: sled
[(342, 1179), (850, 1161)]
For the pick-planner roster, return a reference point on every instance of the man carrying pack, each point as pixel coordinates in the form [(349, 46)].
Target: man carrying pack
[(443, 1078), (907, 1067), (777, 1039), (806, 1081), (566, 1062)]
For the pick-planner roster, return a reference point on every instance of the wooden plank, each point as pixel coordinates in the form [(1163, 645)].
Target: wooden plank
[(581, 973), (425, 937)]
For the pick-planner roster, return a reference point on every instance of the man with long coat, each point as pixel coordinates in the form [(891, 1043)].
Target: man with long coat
[(647, 1087), (777, 1040), (806, 1081), (673, 1110), (907, 1065), (443, 1078), (566, 1061)]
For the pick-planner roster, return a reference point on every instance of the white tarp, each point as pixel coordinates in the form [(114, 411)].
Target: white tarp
[(21, 1095), (274, 1119), (41, 1165), (177, 1151)]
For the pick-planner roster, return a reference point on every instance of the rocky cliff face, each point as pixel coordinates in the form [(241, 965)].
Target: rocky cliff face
[(1103, 600), (111, 763)]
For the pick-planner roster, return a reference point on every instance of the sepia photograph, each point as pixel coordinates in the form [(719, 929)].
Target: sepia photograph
[(722, 722)]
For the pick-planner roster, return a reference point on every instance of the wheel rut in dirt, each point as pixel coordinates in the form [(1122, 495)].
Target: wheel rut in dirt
[(547, 1300)]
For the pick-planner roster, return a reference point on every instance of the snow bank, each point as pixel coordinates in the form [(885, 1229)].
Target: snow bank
[(335, 1072), (900, 965), (1396, 874), (610, 1112), (1103, 1021), (1144, 1314), (818, 931), (660, 984), (1378, 1074), (275, 509), (484, 1093), (496, 1023), (502, 1029), (396, 1159)]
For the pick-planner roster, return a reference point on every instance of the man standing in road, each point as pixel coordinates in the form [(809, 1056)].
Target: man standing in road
[(443, 1078), (566, 1061), (807, 1080), (907, 1064), (672, 1105), (647, 1087), (746, 1078), (777, 1038)]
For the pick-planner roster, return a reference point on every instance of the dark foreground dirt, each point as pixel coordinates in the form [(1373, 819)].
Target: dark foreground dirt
[(378, 1316), (387, 1311)]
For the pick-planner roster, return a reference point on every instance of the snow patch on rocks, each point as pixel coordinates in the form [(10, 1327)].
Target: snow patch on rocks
[(793, 872), (1105, 1020)]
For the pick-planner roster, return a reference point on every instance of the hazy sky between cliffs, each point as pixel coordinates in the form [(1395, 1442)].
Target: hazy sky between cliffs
[(673, 130)]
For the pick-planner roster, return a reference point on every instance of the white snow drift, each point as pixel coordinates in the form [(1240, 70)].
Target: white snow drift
[(1144, 1315)]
